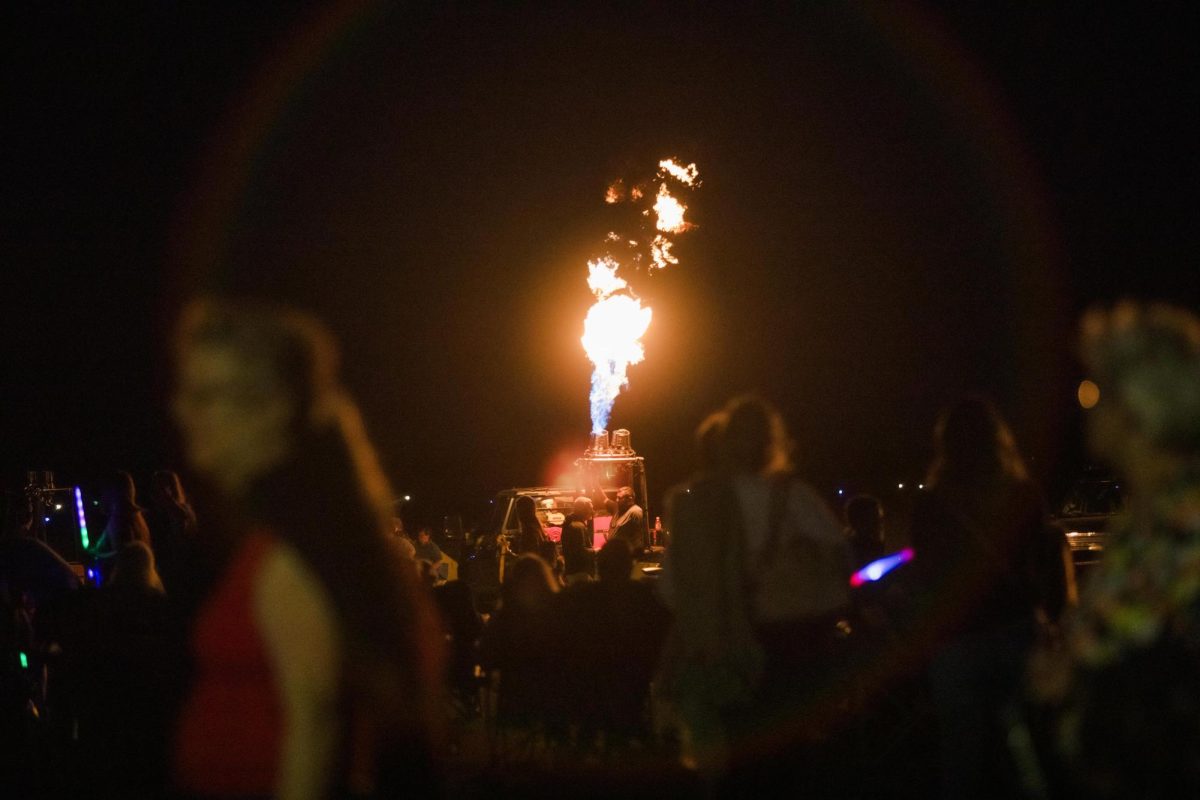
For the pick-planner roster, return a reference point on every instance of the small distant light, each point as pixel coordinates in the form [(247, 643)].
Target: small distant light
[(407, 497), (899, 485), (47, 519), (95, 502), (920, 486), (91, 574), (1088, 394), (24, 661), (841, 491), (58, 506)]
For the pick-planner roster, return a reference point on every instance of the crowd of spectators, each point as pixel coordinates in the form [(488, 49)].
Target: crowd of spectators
[(282, 635)]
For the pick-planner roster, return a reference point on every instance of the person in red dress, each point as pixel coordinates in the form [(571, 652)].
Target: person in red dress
[(316, 653)]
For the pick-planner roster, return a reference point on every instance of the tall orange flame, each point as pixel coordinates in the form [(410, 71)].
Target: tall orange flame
[(616, 322)]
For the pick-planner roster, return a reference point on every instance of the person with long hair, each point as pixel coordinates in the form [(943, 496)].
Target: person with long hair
[(520, 646), (172, 524), (531, 537), (757, 575), (126, 521), (317, 655), (986, 562)]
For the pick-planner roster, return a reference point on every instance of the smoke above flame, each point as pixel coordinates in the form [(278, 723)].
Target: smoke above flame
[(616, 322)]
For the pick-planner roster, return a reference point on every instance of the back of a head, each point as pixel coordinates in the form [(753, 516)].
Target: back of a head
[(168, 487), (120, 493), (614, 562), (973, 444), (134, 568), (754, 438), (864, 514), (527, 513), (528, 583)]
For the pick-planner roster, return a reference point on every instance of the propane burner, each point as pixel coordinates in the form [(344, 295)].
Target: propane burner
[(601, 445), (608, 465)]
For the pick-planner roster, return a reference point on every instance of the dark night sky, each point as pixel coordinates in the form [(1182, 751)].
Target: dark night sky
[(898, 205)]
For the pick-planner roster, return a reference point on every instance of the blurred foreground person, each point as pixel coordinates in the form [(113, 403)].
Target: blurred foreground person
[(1126, 678), (986, 562), (757, 575), (317, 655)]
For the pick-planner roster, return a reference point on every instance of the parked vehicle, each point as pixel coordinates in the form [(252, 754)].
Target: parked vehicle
[(1087, 513)]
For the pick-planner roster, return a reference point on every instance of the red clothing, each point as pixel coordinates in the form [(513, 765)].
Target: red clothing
[(231, 727)]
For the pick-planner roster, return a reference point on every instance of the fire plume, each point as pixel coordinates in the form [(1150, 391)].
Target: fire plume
[(616, 322)]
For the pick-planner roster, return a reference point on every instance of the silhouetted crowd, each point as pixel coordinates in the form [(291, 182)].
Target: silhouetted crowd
[(272, 631)]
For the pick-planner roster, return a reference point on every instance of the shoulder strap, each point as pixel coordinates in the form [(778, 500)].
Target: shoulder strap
[(779, 503)]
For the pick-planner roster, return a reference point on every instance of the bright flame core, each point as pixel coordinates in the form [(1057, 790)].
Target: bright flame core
[(617, 321), (669, 211)]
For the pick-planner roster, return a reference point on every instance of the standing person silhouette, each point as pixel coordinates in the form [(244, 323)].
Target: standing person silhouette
[(172, 524), (629, 521), (757, 575), (985, 565), (317, 655), (126, 522)]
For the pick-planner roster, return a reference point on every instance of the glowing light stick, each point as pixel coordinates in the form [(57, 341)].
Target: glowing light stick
[(24, 661), (83, 534), (880, 567)]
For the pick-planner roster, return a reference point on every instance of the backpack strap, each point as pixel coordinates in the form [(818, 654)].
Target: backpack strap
[(779, 498)]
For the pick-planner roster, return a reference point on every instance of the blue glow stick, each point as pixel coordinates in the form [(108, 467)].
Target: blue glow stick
[(880, 567)]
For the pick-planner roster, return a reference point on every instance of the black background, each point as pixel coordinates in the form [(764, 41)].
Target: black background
[(899, 203)]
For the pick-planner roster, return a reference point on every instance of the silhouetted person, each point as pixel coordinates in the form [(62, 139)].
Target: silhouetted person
[(126, 522), (113, 684), (520, 648), (531, 534), (613, 633), (464, 627), (427, 550), (628, 521), (984, 555), (29, 569), (403, 544), (757, 577), (172, 523), (578, 555), (864, 529)]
